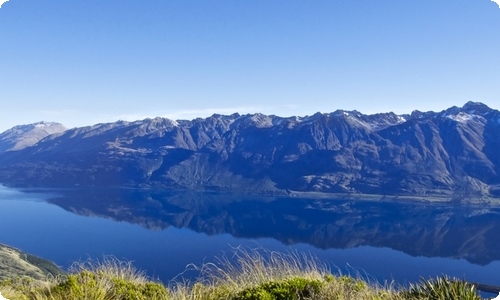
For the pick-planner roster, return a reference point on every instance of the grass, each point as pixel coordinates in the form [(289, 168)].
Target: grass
[(442, 288), (245, 275), (12, 261)]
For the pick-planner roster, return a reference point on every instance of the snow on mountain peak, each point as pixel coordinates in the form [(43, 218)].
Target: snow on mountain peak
[(463, 117), (258, 120), (22, 136), (460, 117), (45, 124)]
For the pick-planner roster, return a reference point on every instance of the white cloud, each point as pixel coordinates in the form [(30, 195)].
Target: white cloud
[(497, 2), (2, 2)]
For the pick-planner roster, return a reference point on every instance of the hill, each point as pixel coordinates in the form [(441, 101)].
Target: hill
[(15, 263)]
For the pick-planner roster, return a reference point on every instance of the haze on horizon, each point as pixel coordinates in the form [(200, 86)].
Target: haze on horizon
[(86, 62)]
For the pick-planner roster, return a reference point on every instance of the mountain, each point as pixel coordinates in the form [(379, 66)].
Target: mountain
[(22, 136), (452, 153)]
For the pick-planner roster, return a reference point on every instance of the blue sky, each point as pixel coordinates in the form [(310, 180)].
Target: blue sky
[(85, 62)]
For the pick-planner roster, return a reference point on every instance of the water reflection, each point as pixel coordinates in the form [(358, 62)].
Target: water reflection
[(418, 229)]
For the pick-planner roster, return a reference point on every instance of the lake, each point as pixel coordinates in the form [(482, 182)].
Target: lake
[(162, 233)]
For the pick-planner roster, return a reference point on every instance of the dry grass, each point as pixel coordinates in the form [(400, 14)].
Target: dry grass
[(13, 261), (241, 275), (91, 280), (262, 274)]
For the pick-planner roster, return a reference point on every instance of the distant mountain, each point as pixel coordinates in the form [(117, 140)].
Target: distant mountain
[(452, 153), (22, 136)]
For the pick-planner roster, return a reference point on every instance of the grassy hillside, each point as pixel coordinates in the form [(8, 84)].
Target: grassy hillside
[(15, 263)]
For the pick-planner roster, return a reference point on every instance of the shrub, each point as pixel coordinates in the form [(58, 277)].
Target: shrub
[(111, 279), (442, 288), (289, 289), (251, 276)]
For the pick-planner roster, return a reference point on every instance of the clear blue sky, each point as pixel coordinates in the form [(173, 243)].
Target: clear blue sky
[(85, 62)]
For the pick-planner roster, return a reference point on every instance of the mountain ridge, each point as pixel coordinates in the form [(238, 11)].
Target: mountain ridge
[(452, 153), (23, 136)]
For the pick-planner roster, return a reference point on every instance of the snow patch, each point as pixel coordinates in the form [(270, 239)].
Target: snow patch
[(385, 121), (357, 122), (160, 120), (461, 117), (2, 297), (44, 124), (262, 121)]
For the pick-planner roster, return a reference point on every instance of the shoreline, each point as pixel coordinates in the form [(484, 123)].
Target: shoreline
[(432, 198)]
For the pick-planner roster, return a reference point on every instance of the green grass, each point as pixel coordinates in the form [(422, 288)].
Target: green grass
[(13, 261), (442, 288), (246, 275)]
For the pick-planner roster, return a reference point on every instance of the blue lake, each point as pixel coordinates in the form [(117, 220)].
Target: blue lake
[(164, 232)]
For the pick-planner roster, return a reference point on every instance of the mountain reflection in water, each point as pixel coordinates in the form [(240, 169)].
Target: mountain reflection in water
[(417, 228)]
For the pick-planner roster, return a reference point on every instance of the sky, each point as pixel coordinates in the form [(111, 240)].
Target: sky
[(86, 62)]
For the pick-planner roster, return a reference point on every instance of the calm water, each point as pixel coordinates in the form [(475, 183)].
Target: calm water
[(163, 232)]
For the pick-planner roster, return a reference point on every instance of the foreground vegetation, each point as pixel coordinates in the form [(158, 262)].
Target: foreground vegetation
[(249, 276)]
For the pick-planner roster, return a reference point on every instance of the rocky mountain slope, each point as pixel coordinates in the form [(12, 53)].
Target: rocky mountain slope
[(453, 153), (22, 136)]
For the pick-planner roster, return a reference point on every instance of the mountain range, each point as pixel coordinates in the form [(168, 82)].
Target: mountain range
[(452, 154)]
